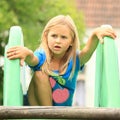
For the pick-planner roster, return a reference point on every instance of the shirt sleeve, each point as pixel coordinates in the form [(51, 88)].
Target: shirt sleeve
[(40, 54)]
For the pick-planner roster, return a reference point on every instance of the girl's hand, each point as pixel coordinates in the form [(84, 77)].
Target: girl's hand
[(103, 31), (18, 52)]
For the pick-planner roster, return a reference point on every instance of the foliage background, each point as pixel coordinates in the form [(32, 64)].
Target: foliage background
[(32, 15)]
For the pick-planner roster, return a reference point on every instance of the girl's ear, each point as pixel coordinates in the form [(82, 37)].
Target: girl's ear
[(71, 45), (45, 35)]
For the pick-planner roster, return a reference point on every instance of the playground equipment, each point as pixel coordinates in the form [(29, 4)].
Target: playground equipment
[(13, 73), (107, 84), (107, 87)]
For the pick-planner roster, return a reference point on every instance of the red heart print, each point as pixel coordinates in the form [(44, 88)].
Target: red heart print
[(52, 82), (60, 95)]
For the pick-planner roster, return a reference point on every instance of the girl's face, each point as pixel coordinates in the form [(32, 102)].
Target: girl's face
[(59, 40)]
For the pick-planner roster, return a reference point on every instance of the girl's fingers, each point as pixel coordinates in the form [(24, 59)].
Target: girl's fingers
[(22, 62), (12, 49), (16, 53), (105, 32), (13, 54), (110, 34), (101, 39)]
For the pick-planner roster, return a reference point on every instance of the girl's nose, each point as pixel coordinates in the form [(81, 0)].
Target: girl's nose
[(58, 40)]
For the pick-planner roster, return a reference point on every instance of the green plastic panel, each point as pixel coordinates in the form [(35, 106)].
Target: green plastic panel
[(12, 93), (107, 83)]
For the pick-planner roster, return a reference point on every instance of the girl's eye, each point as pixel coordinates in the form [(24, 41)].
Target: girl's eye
[(54, 35), (63, 37)]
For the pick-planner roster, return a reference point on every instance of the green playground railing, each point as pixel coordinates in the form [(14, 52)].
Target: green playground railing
[(107, 84), (12, 88)]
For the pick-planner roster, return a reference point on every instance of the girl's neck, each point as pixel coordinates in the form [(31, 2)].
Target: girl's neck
[(56, 59), (55, 64)]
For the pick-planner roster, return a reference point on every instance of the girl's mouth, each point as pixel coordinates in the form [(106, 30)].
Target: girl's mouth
[(57, 46)]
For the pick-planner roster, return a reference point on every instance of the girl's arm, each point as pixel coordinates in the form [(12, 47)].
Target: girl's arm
[(24, 54), (92, 43)]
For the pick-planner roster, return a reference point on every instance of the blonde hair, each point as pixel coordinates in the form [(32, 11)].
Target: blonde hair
[(70, 53)]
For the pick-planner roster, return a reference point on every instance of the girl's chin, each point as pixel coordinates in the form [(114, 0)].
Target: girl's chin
[(58, 54)]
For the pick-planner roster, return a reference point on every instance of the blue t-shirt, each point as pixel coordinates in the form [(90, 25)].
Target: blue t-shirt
[(62, 87)]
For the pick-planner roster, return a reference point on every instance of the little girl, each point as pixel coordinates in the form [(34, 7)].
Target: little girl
[(57, 61)]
